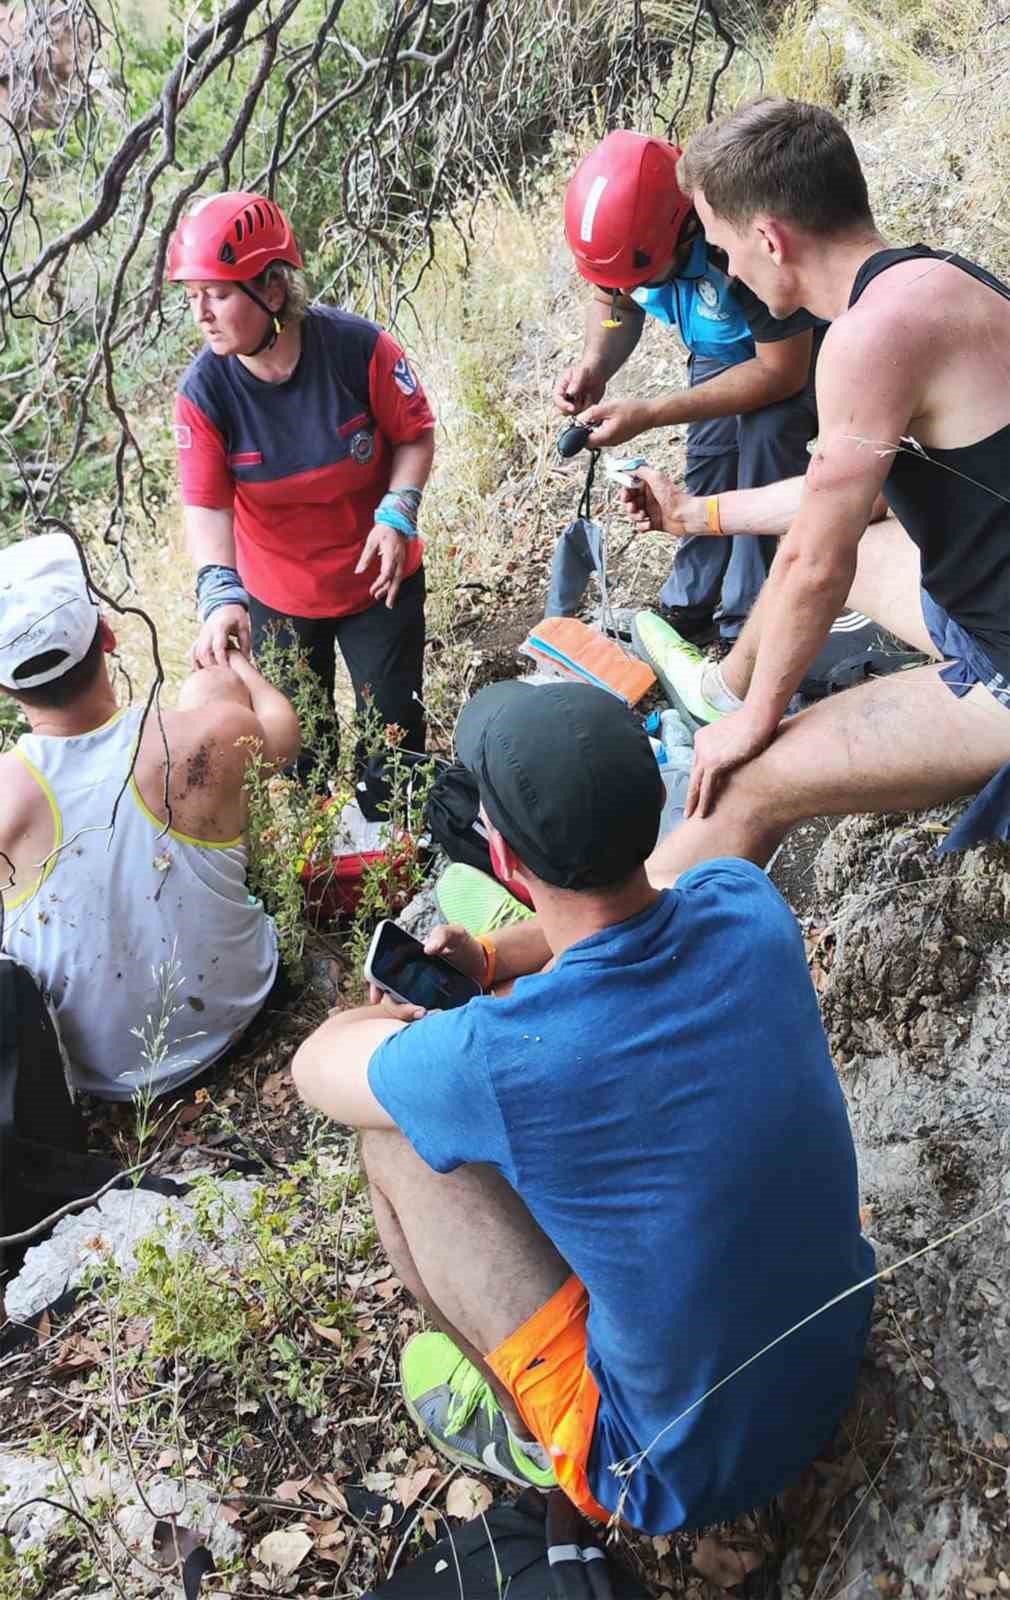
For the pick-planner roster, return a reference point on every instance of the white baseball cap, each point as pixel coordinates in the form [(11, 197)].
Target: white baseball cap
[(45, 607)]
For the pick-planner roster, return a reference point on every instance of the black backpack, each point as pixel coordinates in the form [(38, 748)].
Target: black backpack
[(453, 821), (855, 649), (537, 1549), (43, 1161)]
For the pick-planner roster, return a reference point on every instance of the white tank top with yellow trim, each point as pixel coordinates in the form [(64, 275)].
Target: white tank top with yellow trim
[(152, 951)]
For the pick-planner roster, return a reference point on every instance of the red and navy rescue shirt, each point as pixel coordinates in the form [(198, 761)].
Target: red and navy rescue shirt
[(303, 463)]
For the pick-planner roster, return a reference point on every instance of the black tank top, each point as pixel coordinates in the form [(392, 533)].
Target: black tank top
[(955, 504)]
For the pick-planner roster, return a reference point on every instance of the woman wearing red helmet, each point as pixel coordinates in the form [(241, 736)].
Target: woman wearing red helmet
[(750, 407), (304, 444)]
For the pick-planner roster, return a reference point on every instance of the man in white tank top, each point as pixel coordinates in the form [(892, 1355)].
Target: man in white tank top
[(123, 879)]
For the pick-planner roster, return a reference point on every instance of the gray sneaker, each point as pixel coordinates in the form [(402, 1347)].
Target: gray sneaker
[(458, 1410)]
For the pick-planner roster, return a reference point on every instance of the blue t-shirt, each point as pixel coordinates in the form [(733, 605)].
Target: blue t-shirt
[(719, 318), (664, 1103)]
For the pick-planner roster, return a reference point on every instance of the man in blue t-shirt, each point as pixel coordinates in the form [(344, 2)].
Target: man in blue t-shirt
[(636, 237), (616, 1186)]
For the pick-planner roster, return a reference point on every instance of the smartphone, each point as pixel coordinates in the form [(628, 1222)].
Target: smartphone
[(621, 469), (396, 962)]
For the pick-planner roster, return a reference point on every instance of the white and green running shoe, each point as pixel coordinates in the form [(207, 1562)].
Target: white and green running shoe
[(476, 902), (677, 665), (458, 1410)]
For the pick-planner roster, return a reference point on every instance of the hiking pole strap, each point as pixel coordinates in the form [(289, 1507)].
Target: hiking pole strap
[(585, 506)]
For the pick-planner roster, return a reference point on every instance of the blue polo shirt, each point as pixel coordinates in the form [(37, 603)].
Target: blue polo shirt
[(664, 1103), (718, 317)]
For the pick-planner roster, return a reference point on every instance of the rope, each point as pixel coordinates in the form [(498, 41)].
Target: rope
[(585, 510)]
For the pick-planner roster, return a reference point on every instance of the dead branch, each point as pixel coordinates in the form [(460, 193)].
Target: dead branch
[(370, 131)]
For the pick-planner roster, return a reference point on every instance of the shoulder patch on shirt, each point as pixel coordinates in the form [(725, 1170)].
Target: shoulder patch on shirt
[(403, 377), (183, 435)]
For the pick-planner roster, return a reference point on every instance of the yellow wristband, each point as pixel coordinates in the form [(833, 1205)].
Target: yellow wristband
[(712, 513), (490, 959)]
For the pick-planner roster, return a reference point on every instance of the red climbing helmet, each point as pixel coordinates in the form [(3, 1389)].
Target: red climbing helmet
[(229, 238), (624, 210)]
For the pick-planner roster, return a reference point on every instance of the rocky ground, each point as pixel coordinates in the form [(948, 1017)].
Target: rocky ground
[(245, 1394), (302, 1494)]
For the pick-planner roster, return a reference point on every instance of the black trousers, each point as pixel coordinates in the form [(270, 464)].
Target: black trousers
[(383, 651)]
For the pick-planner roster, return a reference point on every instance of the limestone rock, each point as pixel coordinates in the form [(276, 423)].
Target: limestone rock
[(110, 1229), (194, 1505), (912, 958)]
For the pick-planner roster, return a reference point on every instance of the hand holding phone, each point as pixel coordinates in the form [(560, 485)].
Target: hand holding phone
[(397, 963)]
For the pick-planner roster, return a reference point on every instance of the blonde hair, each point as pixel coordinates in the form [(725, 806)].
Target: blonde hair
[(783, 157), (297, 294)]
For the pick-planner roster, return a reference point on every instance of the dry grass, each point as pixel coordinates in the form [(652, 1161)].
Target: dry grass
[(489, 337)]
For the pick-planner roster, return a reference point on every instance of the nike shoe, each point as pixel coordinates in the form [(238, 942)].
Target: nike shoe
[(677, 665), (476, 902), (458, 1410), (697, 624)]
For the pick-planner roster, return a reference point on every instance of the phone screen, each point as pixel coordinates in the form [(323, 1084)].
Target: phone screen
[(397, 961)]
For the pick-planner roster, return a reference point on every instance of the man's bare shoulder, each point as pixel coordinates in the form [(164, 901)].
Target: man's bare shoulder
[(903, 314), (224, 724), (209, 749), (876, 360), (24, 800), (873, 331), (16, 782)]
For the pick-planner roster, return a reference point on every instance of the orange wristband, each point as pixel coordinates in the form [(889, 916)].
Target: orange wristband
[(490, 958), (712, 513)]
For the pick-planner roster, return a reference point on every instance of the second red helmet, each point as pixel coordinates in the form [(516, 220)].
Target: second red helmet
[(624, 210), (230, 238)]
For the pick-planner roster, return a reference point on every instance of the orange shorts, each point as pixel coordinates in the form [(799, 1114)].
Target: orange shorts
[(543, 1366)]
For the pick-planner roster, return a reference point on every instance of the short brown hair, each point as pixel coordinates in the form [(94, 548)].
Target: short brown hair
[(784, 157)]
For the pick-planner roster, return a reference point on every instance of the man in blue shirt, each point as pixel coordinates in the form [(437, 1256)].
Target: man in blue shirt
[(615, 1186), (635, 236)]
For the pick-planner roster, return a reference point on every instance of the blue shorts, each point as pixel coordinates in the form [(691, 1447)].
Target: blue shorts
[(966, 664)]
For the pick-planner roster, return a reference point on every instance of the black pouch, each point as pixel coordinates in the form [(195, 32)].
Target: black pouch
[(855, 649), (453, 821)]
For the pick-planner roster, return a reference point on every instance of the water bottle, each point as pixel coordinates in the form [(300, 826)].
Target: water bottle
[(674, 732), (675, 781)]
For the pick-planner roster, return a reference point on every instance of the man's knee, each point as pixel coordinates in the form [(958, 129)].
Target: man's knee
[(758, 804)]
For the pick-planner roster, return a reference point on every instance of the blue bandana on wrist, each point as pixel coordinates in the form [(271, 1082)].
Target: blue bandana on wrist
[(218, 586), (398, 509)]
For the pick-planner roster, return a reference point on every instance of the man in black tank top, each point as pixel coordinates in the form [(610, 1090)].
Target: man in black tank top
[(913, 401)]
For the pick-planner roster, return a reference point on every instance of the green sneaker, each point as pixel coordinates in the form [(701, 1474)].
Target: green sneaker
[(676, 663), (458, 1410), (478, 903)]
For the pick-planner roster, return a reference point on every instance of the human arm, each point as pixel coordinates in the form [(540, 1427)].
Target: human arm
[(274, 725), (330, 1067), (604, 351), (208, 492), (660, 504), (210, 540), (520, 949), (411, 465), (280, 735), (775, 372), (816, 562), (430, 1080), (401, 409)]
